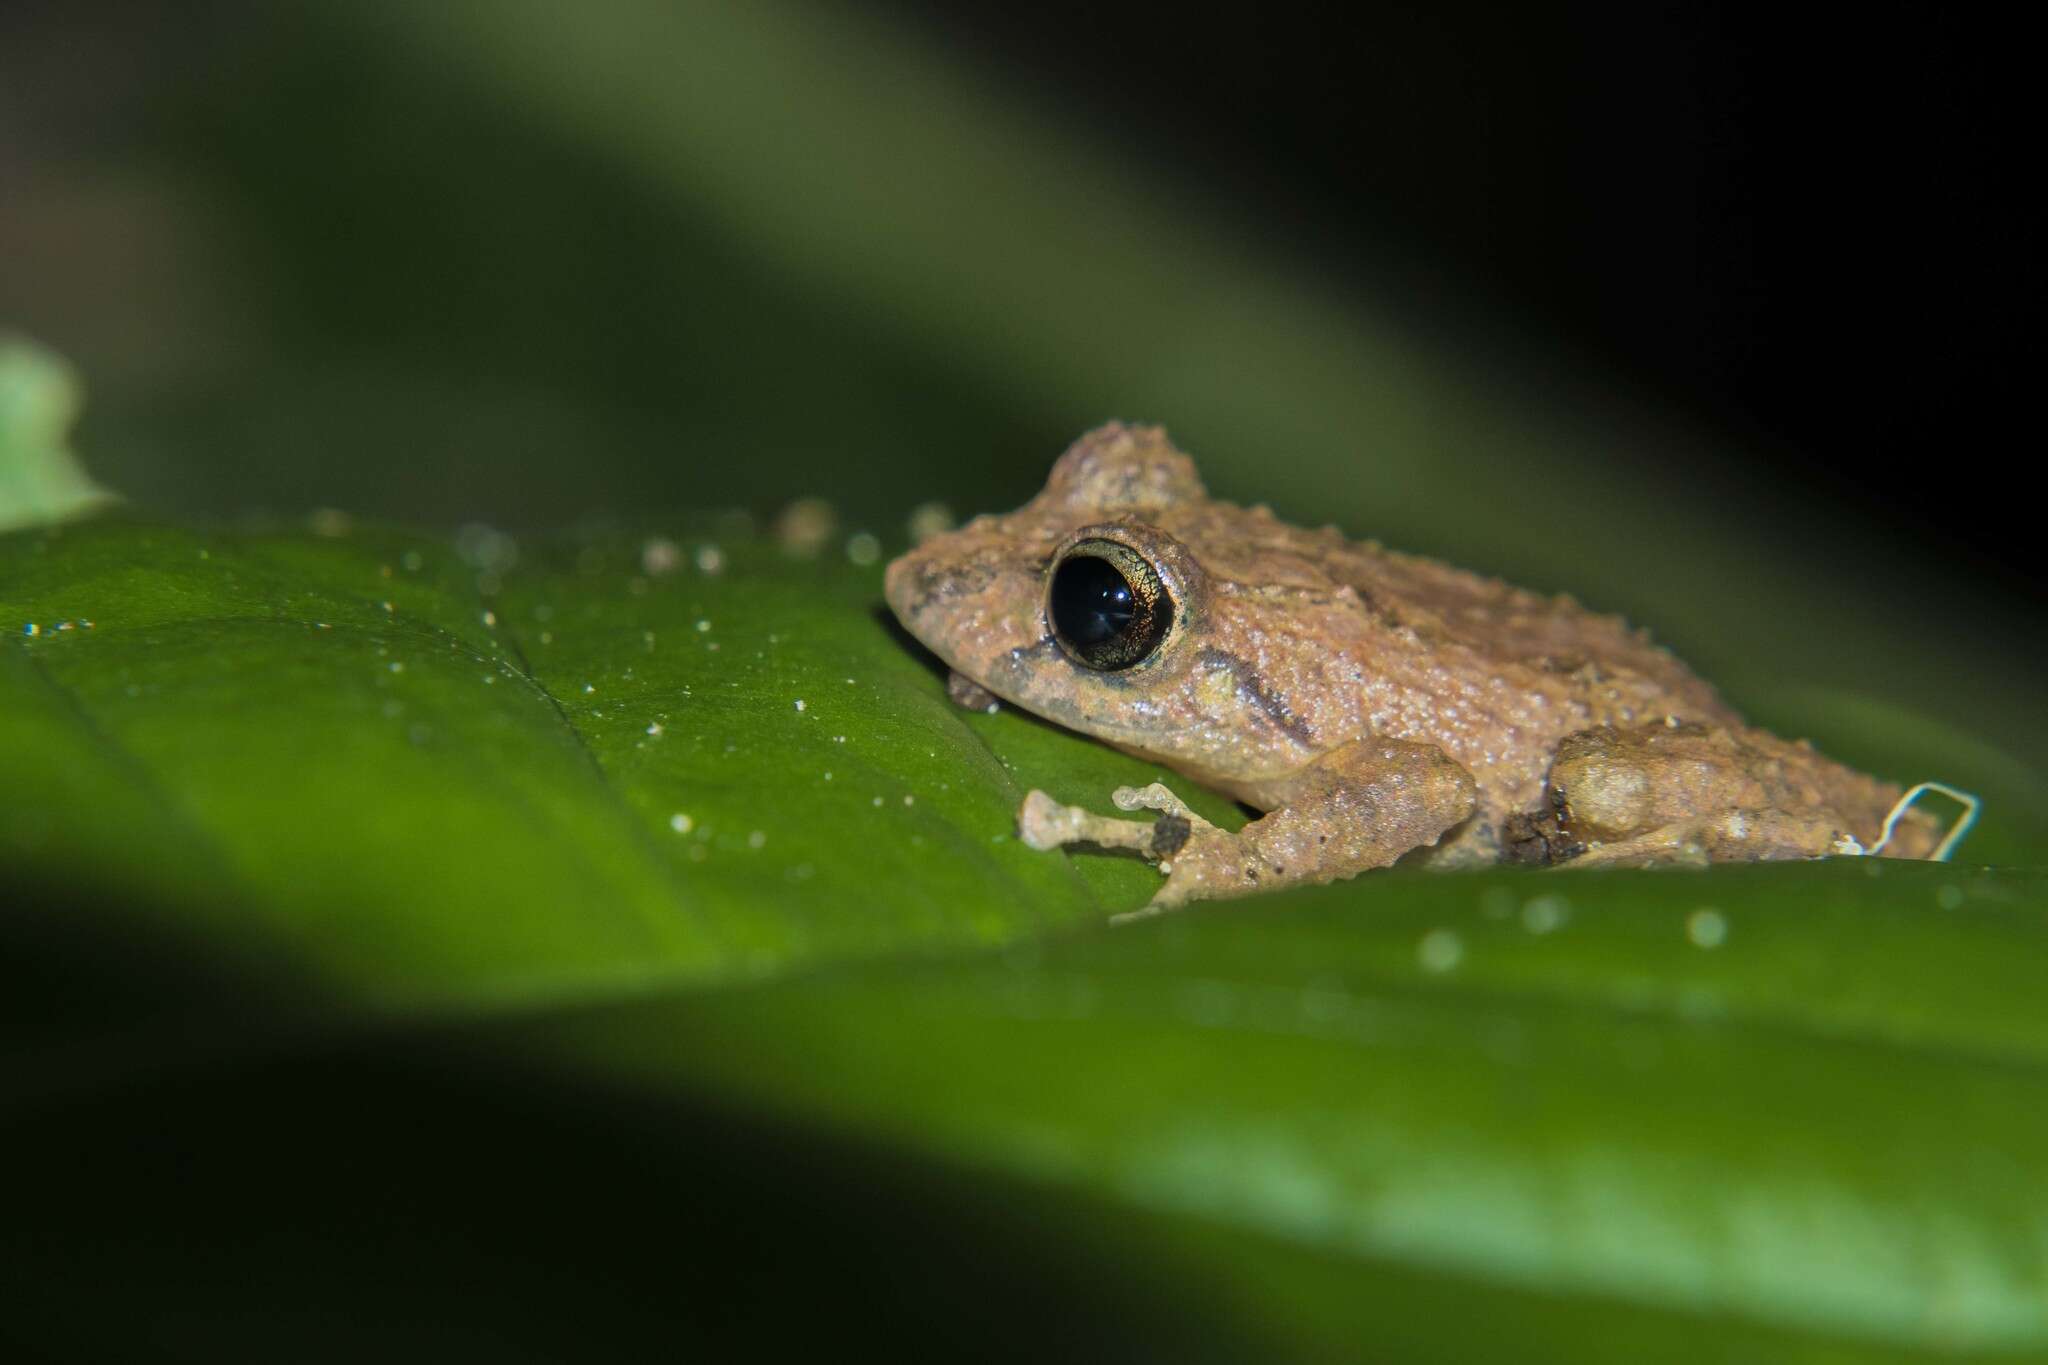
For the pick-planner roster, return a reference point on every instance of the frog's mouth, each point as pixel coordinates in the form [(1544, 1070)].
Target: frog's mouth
[(967, 609)]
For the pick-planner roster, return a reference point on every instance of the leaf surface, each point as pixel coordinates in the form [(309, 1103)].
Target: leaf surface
[(542, 828)]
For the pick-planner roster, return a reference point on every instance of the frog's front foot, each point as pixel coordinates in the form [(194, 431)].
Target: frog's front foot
[(1357, 807), (1181, 842), (1045, 824)]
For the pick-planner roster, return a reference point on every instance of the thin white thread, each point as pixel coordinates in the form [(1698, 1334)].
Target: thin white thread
[(1970, 804)]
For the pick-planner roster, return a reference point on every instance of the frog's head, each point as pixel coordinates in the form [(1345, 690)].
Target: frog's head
[(1082, 606)]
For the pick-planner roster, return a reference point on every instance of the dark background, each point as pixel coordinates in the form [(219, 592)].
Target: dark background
[(304, 258), (1810, 232)]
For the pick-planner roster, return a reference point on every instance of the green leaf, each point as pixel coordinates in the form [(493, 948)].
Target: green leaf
[(366, 858), (592, 774), (1807, 1099)]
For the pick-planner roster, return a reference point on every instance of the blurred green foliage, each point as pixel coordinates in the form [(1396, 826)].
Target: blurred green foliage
[(40, 479), (464, 933)]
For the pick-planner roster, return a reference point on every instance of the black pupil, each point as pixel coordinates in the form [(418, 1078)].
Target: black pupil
[(1092, 603)]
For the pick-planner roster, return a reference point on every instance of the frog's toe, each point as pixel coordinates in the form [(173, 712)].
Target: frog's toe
[(1046, 824), (1157, 797), (970, 695)]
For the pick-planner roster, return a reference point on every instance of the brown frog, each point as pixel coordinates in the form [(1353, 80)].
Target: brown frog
[(1379, 706)]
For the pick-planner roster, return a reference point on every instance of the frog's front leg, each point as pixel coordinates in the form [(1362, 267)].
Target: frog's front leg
[(1359, 806)]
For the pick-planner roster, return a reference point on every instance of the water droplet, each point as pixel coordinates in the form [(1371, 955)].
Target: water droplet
[(659, 556), (329, 522), (1440, 950), (929, 519), (1706, 927), (1542, 914), (484, 547)]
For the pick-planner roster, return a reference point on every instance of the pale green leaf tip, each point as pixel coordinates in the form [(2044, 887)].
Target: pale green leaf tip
[(41, 480)]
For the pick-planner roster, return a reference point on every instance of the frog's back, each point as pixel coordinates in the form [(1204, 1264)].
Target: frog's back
[(1526, 636), (1494, 674), (1483, 625)]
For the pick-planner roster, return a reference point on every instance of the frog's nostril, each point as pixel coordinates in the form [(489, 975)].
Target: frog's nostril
[(929, 583)]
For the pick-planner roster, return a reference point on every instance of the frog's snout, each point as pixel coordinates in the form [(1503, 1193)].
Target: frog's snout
[(919, 591), (922, 586), (896, 586), (968, 604)]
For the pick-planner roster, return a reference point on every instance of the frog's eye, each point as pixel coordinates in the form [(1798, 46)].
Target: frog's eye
[(1108, 608)]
